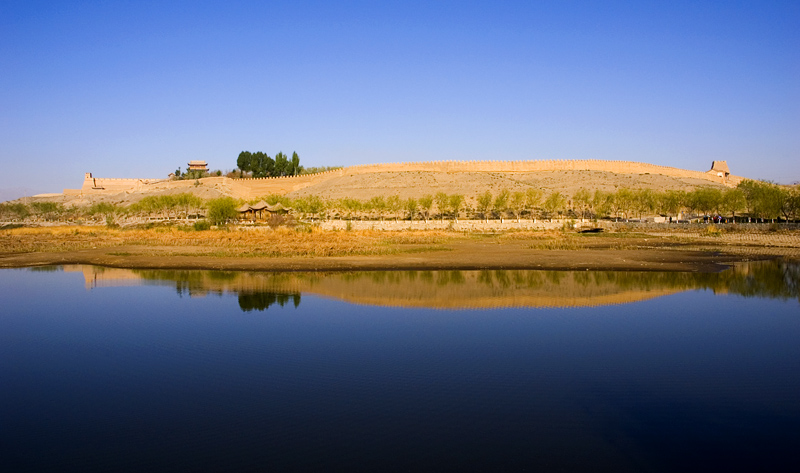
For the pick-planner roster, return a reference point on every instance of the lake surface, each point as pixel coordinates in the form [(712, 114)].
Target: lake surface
[(122, 370)]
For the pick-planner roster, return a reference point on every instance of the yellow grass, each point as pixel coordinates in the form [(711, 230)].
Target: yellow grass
[(271, 243)]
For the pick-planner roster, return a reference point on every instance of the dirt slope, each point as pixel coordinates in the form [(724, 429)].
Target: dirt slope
[(471, 184)]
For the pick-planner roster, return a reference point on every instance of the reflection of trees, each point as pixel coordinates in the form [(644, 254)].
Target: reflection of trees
[(46, 269), (445, 278), (773, 279), (263, 300)]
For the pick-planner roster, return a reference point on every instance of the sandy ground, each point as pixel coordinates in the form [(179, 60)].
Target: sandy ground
[(602, 252), (472, 184), (416, 184)]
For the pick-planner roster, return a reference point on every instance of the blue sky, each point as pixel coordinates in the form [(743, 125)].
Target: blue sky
[(137, 88)]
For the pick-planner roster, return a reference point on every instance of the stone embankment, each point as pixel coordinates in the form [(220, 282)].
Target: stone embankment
[(459, 226)]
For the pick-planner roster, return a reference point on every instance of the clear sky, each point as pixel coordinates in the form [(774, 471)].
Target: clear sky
[(138, 88)]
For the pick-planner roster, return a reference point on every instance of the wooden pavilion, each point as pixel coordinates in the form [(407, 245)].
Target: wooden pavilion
[(261, 211)]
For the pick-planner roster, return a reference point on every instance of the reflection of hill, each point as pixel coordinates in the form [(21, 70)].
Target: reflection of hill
[(461, 289)]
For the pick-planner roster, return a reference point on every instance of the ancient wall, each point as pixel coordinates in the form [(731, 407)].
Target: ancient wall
[(250, 188), (93, 184), (253, 187)]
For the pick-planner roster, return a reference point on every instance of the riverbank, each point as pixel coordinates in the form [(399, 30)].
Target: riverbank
[(318, 250)]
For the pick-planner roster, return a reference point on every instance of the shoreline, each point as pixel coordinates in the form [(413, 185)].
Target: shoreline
[(700, 260), (325, 251)]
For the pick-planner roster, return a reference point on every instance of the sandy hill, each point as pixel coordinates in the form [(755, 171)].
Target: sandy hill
[(471, 184), (468, 178)]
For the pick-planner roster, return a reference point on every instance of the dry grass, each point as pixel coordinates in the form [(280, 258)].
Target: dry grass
[(55, 239), (270, 243), (312, 242)]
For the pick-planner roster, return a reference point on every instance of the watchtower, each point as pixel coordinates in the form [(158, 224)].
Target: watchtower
[(720, 169)]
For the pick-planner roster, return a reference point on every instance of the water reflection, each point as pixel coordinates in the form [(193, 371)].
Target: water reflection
[(459, 289), (262, 300)]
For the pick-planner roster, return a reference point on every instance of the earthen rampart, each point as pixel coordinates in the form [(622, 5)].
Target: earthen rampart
[(248, 188)]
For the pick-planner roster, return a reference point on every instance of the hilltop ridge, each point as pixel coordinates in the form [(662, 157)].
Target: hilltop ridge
[(414, 178)]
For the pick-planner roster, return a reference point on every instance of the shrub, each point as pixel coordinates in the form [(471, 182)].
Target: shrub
[(202, 225), (221, 210)]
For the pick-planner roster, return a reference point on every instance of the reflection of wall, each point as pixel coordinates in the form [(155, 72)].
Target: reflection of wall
[(99, 276)]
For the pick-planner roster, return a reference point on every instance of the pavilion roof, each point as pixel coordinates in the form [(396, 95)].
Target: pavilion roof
[(278, 207), (244, 208)]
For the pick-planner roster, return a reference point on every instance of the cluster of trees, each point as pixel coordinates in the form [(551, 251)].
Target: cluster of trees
[(17, 211), (195, 174), (378, 207), (164, 206), (318, 169), (754, 199), (260, 164)]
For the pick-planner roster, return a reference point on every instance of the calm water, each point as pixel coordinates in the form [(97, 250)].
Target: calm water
[(120, 370)]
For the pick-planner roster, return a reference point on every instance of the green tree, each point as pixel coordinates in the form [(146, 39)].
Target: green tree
[(501, 203), (485, 204), (602, 202), (107, 211), (378, 205), (393, 205), (351, 206), (554, 203), (442, 203), (705, 199), (411, 207), (262, 165), (425, 203), (316, 206), (791, 206), (294, 166), (533, 198), (189, 204), (282, 165), (733, 201), (623, 202), (517, 203), (670, 202), (17, 210), (643, 202), (582, 200), (243, 162), (221, 210), (456, 202), (47, 210)]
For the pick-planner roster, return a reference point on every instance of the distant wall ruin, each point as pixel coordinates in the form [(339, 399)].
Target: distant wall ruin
[(249, 188)]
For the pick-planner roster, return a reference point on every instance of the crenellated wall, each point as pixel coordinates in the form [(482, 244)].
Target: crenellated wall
[(113, 185), (249, 188)]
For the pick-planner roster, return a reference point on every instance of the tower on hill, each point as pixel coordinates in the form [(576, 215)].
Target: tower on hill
[(198, 166), (720, 169)]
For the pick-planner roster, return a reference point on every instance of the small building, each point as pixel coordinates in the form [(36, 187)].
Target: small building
[(261, 211), (198, 166), (720, 169)]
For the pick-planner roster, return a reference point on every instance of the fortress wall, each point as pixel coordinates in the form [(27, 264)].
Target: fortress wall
[(251, 188), (105, 185)]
